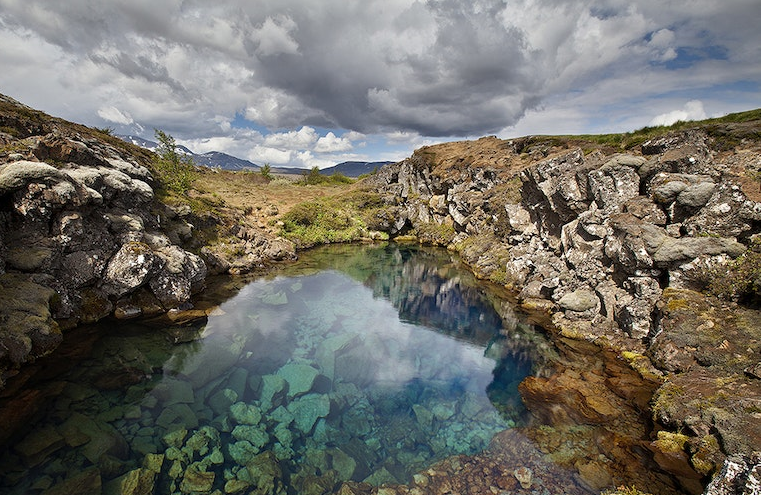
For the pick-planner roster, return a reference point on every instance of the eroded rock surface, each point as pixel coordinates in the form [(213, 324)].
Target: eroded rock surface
[(613, 247), (82, 235)]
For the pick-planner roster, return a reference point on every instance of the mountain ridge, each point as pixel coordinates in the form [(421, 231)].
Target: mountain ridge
[(218, 159)]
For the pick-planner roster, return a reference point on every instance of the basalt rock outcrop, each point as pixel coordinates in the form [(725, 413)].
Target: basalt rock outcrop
[(82, 235), (615, 249)]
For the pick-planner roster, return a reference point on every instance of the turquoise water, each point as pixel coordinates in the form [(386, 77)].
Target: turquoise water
[(358, 363)]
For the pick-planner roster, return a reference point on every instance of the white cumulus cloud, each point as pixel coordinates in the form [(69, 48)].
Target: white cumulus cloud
[(330, 143), (693, 110)]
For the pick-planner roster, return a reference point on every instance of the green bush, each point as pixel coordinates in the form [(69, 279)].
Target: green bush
[(176, 171), (266, 171), (313, 178), (321, 222)]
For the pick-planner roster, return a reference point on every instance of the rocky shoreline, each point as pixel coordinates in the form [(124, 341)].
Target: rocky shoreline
[(83, 235), (615, 249)]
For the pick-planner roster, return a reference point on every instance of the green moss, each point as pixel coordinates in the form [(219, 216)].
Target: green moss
[(435, 234), (625, 490), (677, 304), (740, 280), (671, 442), (666, 398)]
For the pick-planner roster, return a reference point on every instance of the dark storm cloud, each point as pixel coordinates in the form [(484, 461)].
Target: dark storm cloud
[(434, 68)]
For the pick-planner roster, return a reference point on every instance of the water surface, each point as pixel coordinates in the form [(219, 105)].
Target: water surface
[(357, 363)]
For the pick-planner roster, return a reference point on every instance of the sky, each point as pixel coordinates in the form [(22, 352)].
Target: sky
[(310, 83)]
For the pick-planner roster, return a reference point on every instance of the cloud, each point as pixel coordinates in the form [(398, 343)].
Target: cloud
[(330, 143), (113, 114), (303, 138), (405, 69), (274, 38), (693, 110)]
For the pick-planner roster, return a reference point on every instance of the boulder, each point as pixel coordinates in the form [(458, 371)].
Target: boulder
[(307, 409), (579, 300), (299, 377), (131, 267)]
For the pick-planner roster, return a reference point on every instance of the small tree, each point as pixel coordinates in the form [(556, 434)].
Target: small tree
[(176, 170), (266, 171), (313, 177)]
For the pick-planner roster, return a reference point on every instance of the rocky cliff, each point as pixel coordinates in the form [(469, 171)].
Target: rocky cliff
[(83, 235), (617, 247)]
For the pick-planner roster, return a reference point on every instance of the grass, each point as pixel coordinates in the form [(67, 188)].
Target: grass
[(351, 215), (628, 140)]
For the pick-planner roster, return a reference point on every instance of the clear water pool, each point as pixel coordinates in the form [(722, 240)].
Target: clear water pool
[(358, 363)]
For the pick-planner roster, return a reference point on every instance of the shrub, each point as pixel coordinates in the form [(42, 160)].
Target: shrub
[(266, 171), (175, 170), (313, 177)]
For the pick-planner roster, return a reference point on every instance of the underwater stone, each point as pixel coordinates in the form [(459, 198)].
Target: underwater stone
[(282, 452), (381, 476), (86, 481), (424, 416), (274, 389), (201, 440), (139, 481), (175, 470), (144, 444), (194, 480), (238, 380), (300, 378), (39, 444), (222, 423), (236, 486), (175, 438), (179, 415), (104, 438), (212, 360), (216, 456), (242, 452), (330, 348), (255, 435), (171, 391), (356, 420), (265, 473), (282, 416), (275, 298), (153, 462), (307, 409), (443, 411), (221, 401), (283, 434), (343, 463), (245, 414), (523, 475)]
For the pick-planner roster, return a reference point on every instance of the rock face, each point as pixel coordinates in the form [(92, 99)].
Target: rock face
[(601, 242), (600, 235), (85, 228), (82, 235)]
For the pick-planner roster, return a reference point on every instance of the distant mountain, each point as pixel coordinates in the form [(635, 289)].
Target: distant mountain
[(349, 169), (353, 169), (217, 159), (212, 159)]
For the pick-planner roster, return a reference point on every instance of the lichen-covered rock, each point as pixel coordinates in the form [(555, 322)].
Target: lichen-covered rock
[(27, 329), (741, 473), (131, 267)]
